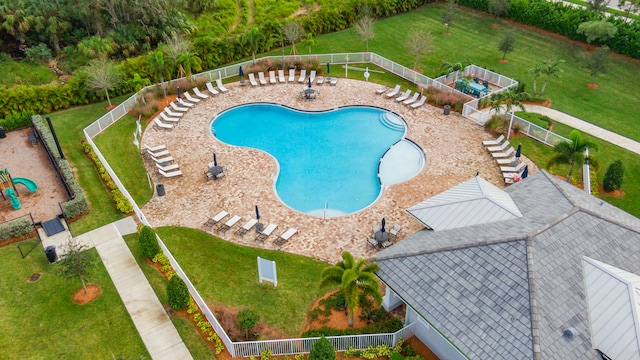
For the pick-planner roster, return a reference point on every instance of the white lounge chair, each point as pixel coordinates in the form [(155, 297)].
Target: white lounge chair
[(292, 75), (159, 124), (264, 234), (221, 86), (333, 81), (168, 167), (263, 81), (505, 154), (395, 230), (513, 169), (168, 118), (226, 226), (498, 148), (382, 90), (404, 96), (495, 142), (303, 75), (312, 76), (158, 153), (163, 160), (177, 107), (199, 94), (393, 92), (252, 80), (412, 100), (285, 236), (216, 219), (152, 149), (190, 98), (170, 174), (272, 77), (320, 80), (212, 89), (419, 103), (246, 227), (171, 113), (185, 103), (281, 77), (509, 161)]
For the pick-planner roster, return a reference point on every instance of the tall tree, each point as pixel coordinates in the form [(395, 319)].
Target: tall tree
[(76, 262), (597, 62), (158, 68), (16, 18), (51, 19), (364, 24), (251, 41), (507, 44), (293, 31), (418, 43), (629, 6), (573, 152), (598, 6), (536, 71), (102, 74), (353, 277), (188, 62), (498, 8), (174, 47), (449, 14), (597, 32), (309, 41)]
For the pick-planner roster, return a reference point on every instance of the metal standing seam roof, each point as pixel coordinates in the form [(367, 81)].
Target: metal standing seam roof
[(475, 201), (613, 296)]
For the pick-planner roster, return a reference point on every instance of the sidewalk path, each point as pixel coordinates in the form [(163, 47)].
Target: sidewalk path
[(586, 127), (149, 317)]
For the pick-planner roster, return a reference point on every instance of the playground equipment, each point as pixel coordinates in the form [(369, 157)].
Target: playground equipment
[(8, 187)]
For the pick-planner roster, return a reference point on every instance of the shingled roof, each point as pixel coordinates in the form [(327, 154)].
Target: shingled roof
[(476, 284)]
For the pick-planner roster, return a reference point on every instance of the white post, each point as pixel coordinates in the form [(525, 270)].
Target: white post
[(510, 123)]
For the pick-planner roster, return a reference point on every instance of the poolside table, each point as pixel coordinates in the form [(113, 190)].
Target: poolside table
[(381, 237)]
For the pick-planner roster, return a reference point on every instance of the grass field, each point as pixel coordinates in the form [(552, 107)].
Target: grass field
[(39, 320), (24, 73)]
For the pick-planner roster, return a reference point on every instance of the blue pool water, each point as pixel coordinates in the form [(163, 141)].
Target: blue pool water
[(328, 157)]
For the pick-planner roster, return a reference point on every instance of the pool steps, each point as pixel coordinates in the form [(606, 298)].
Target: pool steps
[(392, 121)]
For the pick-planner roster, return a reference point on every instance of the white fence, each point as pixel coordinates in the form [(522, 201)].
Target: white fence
[(532, 130), (286, 346)]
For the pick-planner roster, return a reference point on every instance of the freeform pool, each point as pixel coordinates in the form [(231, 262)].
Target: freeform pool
[(328, 161)]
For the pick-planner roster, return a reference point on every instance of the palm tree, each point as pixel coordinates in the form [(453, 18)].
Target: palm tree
[(158, 68), (450, 67), (573, 152), (251, 41), (16, 18), (188, 62), (536, 72), (353, 277), (509, 99), (551, 69), (309, 42)]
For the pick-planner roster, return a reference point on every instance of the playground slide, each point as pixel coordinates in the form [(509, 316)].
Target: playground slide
[(30, 184), (13, 198)]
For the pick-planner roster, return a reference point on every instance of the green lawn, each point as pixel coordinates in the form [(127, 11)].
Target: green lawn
[(227, 273), (39, 320), (24, 73)]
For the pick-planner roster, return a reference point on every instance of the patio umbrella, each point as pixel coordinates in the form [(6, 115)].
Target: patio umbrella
[(328, 68), (241, 72), (178, 92), (309, 82), (518, 151), (257, 213), (383, 222), (215, 162), (525, 172)]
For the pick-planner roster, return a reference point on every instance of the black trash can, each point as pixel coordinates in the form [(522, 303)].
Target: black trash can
[(52, 256), (3, 134), (447, 109), (160, 189)]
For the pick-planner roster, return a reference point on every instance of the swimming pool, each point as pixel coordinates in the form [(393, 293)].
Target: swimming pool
[(328, 161)]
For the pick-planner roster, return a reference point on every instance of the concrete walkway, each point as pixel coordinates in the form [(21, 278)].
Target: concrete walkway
[(149, 317), (586, 127)]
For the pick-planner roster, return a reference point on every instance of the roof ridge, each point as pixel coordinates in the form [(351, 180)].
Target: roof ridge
[(506, 208), (558, 220), (533, 303)]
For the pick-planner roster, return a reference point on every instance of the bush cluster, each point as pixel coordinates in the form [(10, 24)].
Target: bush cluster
[(177, 293), (14, 228), (322, 350), (614, 176), (16, 120), (388, 326), (148, 243)]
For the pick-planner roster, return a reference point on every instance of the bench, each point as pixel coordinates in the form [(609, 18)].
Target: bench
[(32, 138)]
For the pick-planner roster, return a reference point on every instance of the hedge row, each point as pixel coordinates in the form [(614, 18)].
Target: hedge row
[(122, 203), (564, 19), (15, 228), (389, 326), (78, 205)]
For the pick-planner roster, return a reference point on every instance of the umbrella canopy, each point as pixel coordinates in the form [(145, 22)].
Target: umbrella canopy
[(518, 151), (383, 223), (525, 172), (241, 72), (328, 68), (215, 161), (257, 213), (178, 92)]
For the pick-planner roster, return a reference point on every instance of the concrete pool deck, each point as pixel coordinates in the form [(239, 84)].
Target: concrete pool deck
[(452, 144)]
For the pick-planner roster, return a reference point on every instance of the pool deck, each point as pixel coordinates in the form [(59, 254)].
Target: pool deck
[(452, 144)]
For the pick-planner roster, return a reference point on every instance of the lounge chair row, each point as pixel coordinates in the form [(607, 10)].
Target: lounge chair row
[(216, 223), (169, 118), (405, 98), (281, 78), (163, 160), (504, 154)]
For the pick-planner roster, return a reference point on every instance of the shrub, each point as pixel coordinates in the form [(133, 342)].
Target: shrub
[(614, 176), (14, 228), (148, 243), (322, 350), (389, 326), (38, 53), (246, 320), (178, 294), (16, 120)]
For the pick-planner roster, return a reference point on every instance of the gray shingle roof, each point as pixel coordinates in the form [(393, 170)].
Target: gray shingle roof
[(560, 224)]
